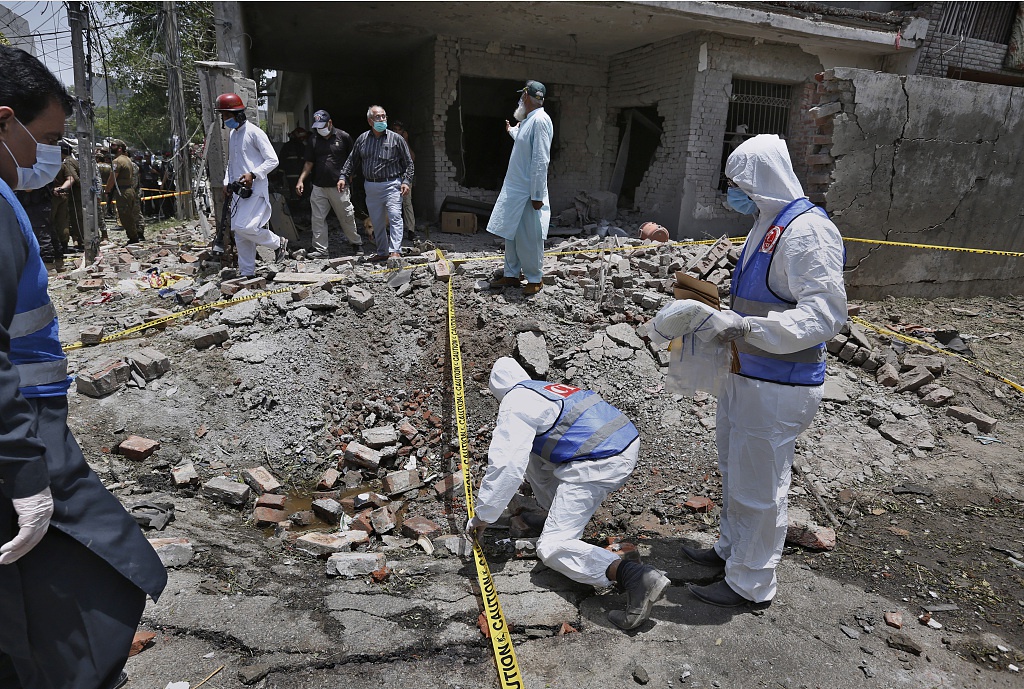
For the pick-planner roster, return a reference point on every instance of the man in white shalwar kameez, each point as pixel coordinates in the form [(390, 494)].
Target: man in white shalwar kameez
[(251, 158), (522, 214)]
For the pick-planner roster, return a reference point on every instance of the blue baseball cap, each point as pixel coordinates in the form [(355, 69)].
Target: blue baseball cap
[(320, 119), (535, 89)]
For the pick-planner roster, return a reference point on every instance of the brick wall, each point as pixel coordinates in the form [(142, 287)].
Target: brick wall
[(944, 51), (656, 74), (578, 82)]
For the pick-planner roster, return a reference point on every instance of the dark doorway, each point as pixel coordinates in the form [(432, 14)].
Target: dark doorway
[(639, 138), (475, 137)]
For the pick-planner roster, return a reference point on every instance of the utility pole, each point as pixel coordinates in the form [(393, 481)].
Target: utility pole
[(78, 20), (184, 203)]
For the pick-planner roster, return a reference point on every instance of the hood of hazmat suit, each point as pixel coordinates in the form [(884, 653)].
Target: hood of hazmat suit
[(506, 374)]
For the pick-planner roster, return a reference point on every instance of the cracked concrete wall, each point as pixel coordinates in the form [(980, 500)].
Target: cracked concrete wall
[(930, 161)]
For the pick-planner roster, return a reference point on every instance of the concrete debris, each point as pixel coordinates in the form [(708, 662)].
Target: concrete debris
[(102, 379), (354, 565), (531, 351), (227, 491), (984, 422), (185, 475), (173, 552)]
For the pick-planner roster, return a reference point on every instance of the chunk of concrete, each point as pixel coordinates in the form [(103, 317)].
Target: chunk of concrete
[(225, 490), (363, 456), (379, 437), (353, 565), (173, 552), (532, 352)]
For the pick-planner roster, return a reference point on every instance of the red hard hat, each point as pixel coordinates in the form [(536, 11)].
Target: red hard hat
[(231, 102)]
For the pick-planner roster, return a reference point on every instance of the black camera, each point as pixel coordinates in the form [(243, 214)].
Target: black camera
[(237, 187)]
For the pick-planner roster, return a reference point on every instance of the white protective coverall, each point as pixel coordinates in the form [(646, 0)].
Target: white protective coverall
[(514, 218), (570, 491), (249, 150), (758, 421)]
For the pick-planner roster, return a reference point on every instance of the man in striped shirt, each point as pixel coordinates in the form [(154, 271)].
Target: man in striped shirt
[(383, 158)]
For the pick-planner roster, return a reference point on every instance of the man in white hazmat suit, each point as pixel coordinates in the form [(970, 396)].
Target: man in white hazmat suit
[(574, 448), (251, 158), (788, 298), (522, 214)]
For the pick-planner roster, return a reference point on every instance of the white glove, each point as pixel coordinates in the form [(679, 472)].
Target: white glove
[(475, 527), (677, 319), (34, 514), (724, 326)]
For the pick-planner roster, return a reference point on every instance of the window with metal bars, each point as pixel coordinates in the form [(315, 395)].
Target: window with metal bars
[(984, 21), (755, 107)]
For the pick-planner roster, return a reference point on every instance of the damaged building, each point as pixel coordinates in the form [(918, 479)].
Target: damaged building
[(648, 99)]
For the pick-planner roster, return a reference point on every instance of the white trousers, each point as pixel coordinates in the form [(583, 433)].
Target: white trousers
[(571, 494), (246, 241), (322, 200), (524, 253), (757, 426), (384, 204)]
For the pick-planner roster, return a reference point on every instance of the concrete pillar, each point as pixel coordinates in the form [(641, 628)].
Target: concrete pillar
[(232, 43)]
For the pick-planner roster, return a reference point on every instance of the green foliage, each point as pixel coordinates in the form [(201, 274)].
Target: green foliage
[(135, 62)]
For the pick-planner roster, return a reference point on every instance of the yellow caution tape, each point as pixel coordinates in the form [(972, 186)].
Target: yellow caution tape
[(153, 198), (990, 252), (913, 340), (509, 675)]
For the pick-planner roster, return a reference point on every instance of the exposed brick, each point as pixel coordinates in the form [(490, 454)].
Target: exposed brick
[(137, 448), (327, 509), (91, 334), (261, 480), (227, 491), (401, 481), (271, 500), (268, 516), (699, 503), (417, 526), (103, 379), (185, 475), (984, 422), (150, 363), (328, 479)]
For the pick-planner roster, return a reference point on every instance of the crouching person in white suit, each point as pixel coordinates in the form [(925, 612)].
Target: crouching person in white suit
[(574, 448)]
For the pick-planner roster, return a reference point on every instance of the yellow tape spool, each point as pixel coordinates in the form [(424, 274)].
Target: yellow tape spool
[(509, 675)]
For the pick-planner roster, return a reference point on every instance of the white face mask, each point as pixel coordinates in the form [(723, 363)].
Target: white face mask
[(520, 113), (325, 132), (46, 167)]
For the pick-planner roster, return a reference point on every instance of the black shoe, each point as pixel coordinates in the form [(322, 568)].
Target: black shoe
[(718, 593), (640, 599), (708, 557), (282, 251), (121, 680)]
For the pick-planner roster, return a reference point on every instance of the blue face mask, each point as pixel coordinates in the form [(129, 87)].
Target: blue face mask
[(380, 126), (740, 202), (232, 123)]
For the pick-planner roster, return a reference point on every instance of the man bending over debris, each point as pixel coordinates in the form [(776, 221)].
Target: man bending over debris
[(574, 448), (74, 566)]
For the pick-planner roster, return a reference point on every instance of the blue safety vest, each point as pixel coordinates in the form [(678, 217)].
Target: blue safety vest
[(587, 427), (752, 296), (35, 345)]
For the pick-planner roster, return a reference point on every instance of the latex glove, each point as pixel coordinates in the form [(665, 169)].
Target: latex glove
[(475, 527), (34, 514), (677, 319), (724, 326)]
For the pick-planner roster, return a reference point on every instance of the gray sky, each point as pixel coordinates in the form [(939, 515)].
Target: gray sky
[(53, 46)]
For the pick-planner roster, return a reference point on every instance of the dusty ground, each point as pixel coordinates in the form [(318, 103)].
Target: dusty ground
[(290, 388)]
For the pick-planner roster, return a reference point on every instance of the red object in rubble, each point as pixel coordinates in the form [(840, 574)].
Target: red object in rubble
[(654, 232)]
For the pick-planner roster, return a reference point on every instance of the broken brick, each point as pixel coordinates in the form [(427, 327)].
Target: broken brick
[(91, 334), (699, 503), (913, 379), (185, 475), (141, 641), (271, 500), (327, 509), (984, 422), (363, 456), (328, 479), (173, 552), (261, 480), (150, 363), (323, 544), (268, 516), (894, 619), (383, 520), (452, 484), (351, 565), (103, 379), (137, 448), (227, 491), (415, 527), (402, 481)]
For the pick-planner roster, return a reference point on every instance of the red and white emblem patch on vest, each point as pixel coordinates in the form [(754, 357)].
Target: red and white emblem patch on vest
[(771, 239), (561, 389)]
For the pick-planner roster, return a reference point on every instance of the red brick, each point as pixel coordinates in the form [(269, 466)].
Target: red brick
[(261, 480), (414, 527), (137, 448), (274, 502), (267, 516), (699, 503), (328, 479), (140, 642)]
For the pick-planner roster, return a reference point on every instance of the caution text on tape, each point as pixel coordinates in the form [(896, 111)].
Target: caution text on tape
[(509, 675)]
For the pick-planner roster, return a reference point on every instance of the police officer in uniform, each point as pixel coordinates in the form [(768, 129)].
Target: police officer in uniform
[(573, 448), (67, 212), (74, 567), (122, 184)]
